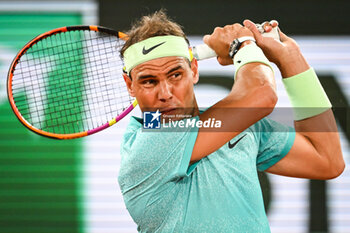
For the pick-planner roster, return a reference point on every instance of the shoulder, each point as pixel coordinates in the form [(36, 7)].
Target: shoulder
[(133, 127)]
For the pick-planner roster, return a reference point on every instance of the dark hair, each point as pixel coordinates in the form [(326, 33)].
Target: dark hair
[(157, 24)]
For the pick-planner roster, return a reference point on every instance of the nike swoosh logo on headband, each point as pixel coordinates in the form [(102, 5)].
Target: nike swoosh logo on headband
[(146, 51)]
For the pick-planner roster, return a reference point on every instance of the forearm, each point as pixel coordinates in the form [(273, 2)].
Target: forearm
[(320, 129), (253, 92), (252, 98), (292, 63), (316, 151)]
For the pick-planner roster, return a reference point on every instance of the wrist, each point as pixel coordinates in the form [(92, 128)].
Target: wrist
[(292, 64), (247, 42), (238, 43), (306, 95), (250, 53)]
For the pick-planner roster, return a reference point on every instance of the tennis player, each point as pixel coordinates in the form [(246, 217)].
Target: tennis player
[(200, 180)]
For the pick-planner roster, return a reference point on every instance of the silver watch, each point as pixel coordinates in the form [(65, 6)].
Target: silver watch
[(236, 44)]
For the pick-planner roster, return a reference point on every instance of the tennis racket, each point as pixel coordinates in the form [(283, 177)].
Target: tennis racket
[(67, 83)]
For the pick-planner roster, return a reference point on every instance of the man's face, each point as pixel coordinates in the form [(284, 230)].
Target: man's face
[(165, 84)]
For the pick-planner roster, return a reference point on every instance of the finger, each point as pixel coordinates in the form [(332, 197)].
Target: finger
[(283, 36), (224, 61), (206, 39), (252, 27), (274, 23), (266, 26)]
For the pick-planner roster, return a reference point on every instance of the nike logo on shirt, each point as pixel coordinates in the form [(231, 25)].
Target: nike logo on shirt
[(235, 143), (146, 51)]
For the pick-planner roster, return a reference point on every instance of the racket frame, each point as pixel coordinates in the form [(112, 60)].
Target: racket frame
[(29, 45)]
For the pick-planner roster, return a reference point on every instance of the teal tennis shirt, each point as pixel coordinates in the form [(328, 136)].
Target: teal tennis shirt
[(219, 193)]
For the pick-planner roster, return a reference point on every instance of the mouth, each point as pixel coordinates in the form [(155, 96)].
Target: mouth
[(168, 111)]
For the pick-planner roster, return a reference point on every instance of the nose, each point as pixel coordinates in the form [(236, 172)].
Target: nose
[(165, 91)]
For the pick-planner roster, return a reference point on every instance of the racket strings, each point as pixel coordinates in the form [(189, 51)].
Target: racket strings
[(104, 86), (71, 82)]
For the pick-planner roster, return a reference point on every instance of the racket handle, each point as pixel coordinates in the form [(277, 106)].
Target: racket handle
[(203, 51)]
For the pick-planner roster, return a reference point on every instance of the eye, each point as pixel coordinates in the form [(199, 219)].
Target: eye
[(176, 75), (149, 82)]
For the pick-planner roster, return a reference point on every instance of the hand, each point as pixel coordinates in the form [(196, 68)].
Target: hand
[(285, 53), (221, 39)]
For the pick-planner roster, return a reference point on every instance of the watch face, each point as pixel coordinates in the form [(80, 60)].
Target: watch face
[(234, 48), (236, 44)]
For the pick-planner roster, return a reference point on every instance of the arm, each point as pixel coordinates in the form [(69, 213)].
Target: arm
[(316, 152), (252, 97)]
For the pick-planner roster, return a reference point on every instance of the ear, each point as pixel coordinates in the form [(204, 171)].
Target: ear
[(194, 68), (129, 85)]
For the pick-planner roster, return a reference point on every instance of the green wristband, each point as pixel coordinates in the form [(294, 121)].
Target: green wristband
[(306, 95), (248, 54)]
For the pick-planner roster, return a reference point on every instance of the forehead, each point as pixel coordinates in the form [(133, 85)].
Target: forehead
[(162, 64)]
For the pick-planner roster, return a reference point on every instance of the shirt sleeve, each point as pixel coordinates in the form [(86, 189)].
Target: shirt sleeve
[(275, 141)]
